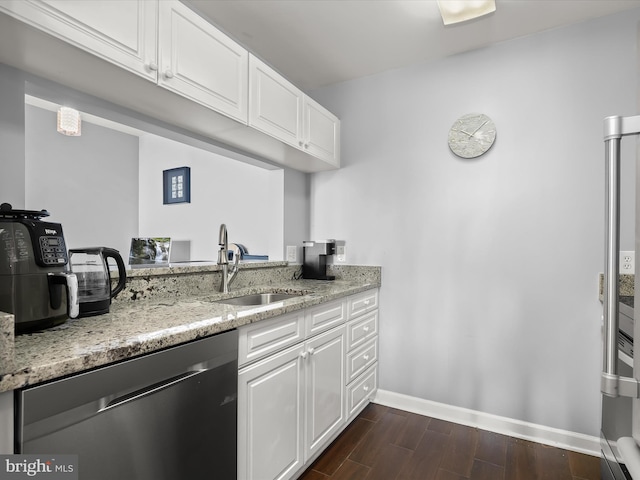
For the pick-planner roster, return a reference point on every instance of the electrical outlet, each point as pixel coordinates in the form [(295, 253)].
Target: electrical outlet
[(341, 253), (628, 263), (292, 253)]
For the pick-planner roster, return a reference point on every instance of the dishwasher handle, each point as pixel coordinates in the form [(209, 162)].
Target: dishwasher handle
[(150, 390)]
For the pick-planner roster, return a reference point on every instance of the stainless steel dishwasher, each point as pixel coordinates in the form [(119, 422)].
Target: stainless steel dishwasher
[(164, 416)]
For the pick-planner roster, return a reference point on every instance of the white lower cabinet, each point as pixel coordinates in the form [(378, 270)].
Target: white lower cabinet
[(324, 399), (271, 416), (288, 405), (297, 391), (360, 391), (362, 351)]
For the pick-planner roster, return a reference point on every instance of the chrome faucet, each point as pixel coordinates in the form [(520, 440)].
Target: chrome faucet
[(223, 260)]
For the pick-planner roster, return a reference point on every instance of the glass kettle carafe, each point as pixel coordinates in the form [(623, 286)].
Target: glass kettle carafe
[(90, 266)]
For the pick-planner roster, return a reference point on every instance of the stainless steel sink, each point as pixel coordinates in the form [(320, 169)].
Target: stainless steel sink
[(258, 299)]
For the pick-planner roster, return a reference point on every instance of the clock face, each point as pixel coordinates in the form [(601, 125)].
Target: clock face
[(472, 135)]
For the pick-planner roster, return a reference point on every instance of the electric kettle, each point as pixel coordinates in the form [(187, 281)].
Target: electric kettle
[(94, 279)]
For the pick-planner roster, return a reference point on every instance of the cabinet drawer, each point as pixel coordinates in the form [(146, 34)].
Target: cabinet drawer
[(268, 336), (361, 359), (362, 303), (325, 316), (360, 392), (361, 330)]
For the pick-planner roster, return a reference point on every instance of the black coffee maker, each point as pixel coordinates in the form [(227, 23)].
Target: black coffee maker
[(36, 285), (314, 259)]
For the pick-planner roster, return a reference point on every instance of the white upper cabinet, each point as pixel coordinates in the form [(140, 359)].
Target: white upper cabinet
[(219, 87), (280, 109), (200, 62), (275, 104), (123, 32), (321, 132)]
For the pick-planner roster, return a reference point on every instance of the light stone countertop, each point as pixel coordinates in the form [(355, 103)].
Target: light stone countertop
[(132, 329), (626, 285), (7, 343)]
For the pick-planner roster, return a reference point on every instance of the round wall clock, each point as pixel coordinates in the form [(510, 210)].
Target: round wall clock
[(472, 135)]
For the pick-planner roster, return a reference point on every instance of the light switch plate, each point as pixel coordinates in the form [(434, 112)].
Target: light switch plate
[(292, 253), (341, 253)]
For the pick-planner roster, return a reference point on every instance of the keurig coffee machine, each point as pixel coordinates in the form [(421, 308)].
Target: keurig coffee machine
[(36, 285), (314, 259)]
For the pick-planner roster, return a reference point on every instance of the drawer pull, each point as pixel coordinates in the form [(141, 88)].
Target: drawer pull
[(366, 388), (311, 350), (367, 302), (366, 357), (366, 329), (304, 355)]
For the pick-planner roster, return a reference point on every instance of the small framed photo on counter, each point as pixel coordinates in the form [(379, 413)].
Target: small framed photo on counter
[(150, 251), (177, 185)]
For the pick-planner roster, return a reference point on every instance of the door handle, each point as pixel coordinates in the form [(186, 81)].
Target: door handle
[(611, 384)]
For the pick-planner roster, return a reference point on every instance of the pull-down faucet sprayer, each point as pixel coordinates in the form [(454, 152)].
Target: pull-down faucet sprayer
[(223, 260)]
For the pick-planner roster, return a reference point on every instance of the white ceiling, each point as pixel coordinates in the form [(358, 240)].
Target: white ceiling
[(315, 43)]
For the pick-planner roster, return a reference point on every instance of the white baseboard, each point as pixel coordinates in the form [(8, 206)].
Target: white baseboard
[(576, 442)]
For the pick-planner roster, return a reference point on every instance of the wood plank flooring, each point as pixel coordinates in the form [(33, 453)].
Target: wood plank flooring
[(384, 443)]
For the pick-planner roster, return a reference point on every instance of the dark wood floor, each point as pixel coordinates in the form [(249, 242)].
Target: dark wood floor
[(388, 444)]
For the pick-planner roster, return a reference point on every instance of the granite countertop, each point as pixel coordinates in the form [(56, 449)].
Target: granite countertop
[(131, 329)]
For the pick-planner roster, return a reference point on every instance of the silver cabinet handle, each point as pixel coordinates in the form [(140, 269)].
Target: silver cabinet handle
[(611, 384)]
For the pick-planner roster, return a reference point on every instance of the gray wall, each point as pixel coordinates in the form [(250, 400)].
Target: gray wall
[(11, 137), (489, 266), (296, 210), (89, 183), (247, 199), (94, 177)]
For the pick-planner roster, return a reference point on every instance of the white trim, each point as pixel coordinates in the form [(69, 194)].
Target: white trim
[(565, 439)]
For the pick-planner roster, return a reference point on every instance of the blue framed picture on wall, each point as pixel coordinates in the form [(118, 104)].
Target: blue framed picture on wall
[(177, 185)]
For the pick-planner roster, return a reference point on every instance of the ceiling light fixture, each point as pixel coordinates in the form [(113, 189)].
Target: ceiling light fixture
[(69, 121), (456, 11)]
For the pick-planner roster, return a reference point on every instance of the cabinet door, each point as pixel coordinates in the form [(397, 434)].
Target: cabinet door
[(275, 105), (321, 132), (325, 404), (270, 416), (200, 62), (122, 32)]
